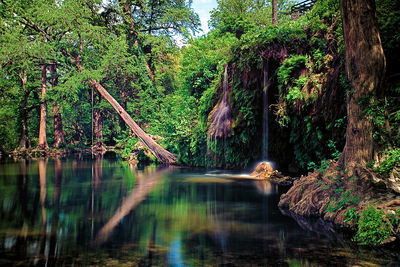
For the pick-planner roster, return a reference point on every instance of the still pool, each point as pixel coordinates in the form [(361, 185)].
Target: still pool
[(84, 212)]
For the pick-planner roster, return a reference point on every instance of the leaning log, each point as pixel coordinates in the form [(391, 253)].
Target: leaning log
[(158, 151)]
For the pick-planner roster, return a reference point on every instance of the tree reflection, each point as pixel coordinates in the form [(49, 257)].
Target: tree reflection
[(52, 211), (58, 172), (145, 184), (42, 166)]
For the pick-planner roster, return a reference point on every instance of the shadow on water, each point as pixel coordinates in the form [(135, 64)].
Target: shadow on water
[(101, 212)]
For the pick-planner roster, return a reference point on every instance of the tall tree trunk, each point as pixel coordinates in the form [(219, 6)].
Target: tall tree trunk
[(275, 12), (158, 151), (24, 142), (58, 127), (42, 143), (98, 128), (365, 66)]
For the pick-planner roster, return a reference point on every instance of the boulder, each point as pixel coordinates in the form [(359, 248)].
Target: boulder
[(265, 170)]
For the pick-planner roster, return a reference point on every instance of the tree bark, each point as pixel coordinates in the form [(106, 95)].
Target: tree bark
[(98, 128), (42, 143), (24, 142), (365, 67), (274, 12), (158, 151), (58, 126)]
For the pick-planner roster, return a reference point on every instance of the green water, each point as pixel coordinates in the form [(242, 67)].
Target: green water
[(83, 212)]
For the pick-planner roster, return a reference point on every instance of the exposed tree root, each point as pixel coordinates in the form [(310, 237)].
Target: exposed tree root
[(331, 192)]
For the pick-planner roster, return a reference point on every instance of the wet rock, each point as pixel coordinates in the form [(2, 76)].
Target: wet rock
[(265, 171)]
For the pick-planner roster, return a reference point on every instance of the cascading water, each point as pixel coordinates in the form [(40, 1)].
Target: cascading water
[(220, 118), (265, 114), (265, 167)]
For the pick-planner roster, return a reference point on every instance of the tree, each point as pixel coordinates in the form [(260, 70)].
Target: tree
[(160, 17), (365, 67), (18, 53), (58, 126), (42, 143), (256, 12), (274, 12)]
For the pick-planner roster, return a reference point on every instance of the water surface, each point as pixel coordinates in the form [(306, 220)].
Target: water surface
[(85, 212)]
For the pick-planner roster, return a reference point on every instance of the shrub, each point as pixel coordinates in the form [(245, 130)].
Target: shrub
[(373, 227)]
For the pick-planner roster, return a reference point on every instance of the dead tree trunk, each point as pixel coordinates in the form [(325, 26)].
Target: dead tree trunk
[(58, 126), (158, 151), (42, 143), (365, 66)]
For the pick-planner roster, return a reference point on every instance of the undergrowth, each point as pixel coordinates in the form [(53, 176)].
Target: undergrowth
[(374, 226)]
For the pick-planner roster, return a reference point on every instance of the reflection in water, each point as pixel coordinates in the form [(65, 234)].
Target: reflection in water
[(143, 187), (42, 166), (266, 187), (102, 212), (174, 253)]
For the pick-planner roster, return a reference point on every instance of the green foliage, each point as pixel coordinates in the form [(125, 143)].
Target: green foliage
[(289, 67), (202, 62), (351, 216), (343, 200), (165, 17), (7, 127), (128, 146), (308, 140), (335, 152), (287, 72), (285, 34), (388, 13), (391, 160), (373, 227), (232, 15)]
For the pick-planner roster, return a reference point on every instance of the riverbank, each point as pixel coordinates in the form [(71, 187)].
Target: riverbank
[(352, 200)]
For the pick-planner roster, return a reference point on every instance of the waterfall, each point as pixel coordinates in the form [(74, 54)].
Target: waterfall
[(265, 113), (220, 121), (221, 116)]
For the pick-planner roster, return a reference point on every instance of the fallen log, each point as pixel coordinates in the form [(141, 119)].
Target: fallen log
[(158, 151)]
